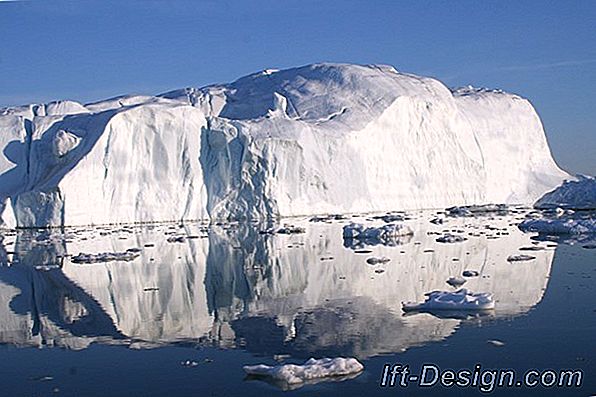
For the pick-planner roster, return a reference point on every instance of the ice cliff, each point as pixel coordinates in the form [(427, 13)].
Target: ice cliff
[(323, 138)]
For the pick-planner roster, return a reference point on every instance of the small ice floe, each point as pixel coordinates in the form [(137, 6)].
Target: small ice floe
[(556, 226), (189, 363), (389, 218), (105, 257), (472, 210), (44, 378), (470, 273), (286, 229), (390, 234), (327, 218), (294, 374), (290, 229), (47, 267), (520, 258), (459, 300), (532, 248), (450, 238), (456, 281), (496, 342), (375, 261)]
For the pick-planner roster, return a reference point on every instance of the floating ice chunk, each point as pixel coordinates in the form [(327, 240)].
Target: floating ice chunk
[(458, 300), (286, 229), (311, 369), (390, 218), (559, 226), (327, 218), (520, 258), (470, 273), (105, 257), (289, 229), (579, 194), (353, 230), (450, 238), (382, 234), (376, 261), (496, 342), (456, 281), (471, 210)]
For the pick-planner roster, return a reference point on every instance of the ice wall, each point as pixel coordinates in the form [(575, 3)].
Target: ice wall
[(314, 139)]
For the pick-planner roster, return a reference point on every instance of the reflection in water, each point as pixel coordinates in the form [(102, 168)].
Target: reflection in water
[(300, 295)]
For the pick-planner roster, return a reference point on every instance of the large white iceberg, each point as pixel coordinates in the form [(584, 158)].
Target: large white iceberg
[(323, 138)]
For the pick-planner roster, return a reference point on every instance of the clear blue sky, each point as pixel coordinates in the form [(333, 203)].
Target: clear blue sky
[(81, 50)]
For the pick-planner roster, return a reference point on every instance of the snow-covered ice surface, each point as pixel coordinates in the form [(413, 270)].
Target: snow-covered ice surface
[(578, 194), (312, 369), (318, 139)]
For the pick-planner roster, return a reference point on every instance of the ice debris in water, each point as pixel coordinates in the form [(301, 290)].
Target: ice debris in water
[(311, 369), (471, 210), (176, 239), (470, 273), (574, 225), (459, 300), (375, 261), (289, 229), (520, 258), (106, 257), (376, 235), (496, 342), (456, 281), (450, 238), (390, 218), (327, 218), (286, 229), (579, 194)]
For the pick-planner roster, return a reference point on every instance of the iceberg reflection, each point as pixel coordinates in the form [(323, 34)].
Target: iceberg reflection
[(300, 294)]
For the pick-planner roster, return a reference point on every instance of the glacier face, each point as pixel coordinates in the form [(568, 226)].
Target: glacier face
[(323, 138)]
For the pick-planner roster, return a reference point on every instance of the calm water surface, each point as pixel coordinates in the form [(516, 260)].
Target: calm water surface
[(226, 296)]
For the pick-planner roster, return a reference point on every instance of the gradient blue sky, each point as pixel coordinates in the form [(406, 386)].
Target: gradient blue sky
[(82, 50)]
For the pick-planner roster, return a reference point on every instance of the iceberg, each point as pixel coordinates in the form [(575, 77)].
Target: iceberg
[(318, 139), (560, 226), (311, 369), (578, 194)]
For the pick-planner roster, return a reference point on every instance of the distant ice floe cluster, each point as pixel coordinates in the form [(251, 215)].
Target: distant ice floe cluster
[(568, 211)]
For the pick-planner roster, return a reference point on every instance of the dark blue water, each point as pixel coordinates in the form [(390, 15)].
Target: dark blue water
[(236, 298)]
